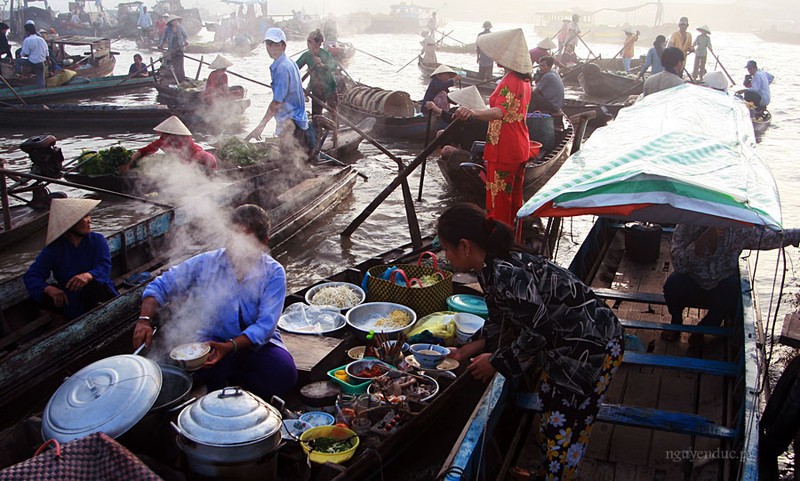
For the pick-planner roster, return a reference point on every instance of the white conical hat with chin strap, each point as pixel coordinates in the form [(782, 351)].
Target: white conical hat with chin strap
[(716, 80), (468, 97), (508, 48), (546, 44), (705, 29), (219, 63), (65, 213), (172, 125), (443, 69)]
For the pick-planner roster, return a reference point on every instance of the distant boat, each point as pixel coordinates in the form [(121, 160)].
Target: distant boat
[(403, 18), (778, 36), (77, 87)]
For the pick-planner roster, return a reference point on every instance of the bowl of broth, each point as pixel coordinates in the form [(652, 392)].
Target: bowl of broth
[(429, 355)]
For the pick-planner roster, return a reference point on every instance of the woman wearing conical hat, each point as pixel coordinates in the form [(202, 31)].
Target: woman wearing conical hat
[(217, 82), (701, 46), (175, 140), (441, 80), (507, 141), (77, 258)]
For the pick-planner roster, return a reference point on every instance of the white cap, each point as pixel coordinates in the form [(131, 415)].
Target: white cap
[(275, 35), (29, 22)]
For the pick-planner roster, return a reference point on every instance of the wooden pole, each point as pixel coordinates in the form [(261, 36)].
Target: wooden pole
[(406, 65), (13, 91), (424, 161), (723, 67), (4, 198), (81, 186), (199, 67), (373, 56)]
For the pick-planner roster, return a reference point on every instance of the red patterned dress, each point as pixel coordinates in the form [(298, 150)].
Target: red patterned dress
[(507, 148)]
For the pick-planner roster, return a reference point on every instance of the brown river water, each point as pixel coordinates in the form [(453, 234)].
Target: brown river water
[(319, 250)]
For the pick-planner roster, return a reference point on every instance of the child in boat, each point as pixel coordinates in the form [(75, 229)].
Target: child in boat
[(217, 82), (176, 140), (540, 316), (76, 257)]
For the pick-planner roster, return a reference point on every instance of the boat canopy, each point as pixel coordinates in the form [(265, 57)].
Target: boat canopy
[(684, 155)]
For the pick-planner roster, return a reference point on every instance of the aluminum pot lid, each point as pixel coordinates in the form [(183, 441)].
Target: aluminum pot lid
[(110, 396), (227, 417)]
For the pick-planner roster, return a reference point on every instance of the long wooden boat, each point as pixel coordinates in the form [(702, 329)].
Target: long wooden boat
[(77, 87), (92, 59), (778, 36), (661, 405), (243, 48), (463, 48), (342, 52), (465, 77), (74, 116), (467, 180), (604, 113), (37, 354), (605, 85), (762, 122), (25, 221), (570, 75)]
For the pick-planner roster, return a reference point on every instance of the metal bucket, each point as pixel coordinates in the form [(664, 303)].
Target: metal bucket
[(643, 242)]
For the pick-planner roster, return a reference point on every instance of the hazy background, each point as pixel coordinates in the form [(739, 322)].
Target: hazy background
[(719, 15)]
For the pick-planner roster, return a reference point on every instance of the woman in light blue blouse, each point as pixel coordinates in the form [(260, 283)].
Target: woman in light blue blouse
[(654, 57)]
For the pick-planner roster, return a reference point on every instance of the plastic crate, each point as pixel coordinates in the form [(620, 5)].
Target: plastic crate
[(346, 386)]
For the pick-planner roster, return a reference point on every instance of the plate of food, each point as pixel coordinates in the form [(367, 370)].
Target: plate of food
[(341, 295), (396, 386), (299, 318), (385, 317)]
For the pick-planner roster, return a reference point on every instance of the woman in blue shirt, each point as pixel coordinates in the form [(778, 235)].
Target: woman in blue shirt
[(77, 258), (654, 57), (232, 299)]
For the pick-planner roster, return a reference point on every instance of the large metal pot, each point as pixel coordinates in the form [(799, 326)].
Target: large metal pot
[(228, 426)]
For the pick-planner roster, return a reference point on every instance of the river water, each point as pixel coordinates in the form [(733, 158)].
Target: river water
[(319, 250)]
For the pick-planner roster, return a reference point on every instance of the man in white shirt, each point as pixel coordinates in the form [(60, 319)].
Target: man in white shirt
[(34, 55), (758, 92), (145, 22)]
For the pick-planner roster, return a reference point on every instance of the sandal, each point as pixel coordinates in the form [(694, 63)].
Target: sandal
[(519, 473)]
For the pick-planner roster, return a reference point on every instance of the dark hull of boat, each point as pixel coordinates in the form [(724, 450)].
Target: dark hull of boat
[(778, 36), (604, 113), (68, 116), (608, 86), (86, 88), (761, 124), (24, 222), (570, 76)]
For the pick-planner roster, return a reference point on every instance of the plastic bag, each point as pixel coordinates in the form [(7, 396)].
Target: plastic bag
[(435, 328), (302, 318)]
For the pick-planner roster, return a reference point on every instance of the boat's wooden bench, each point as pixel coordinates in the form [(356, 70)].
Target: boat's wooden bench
[(671, 421), (690, 328), (641, 297), (687, 364)]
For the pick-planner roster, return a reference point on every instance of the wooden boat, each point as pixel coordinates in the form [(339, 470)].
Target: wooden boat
[(468, 179), (24, 221), (242, 48), (78, 87), (570, 75), (762, 122), (465, 77), (342, 52), (402, 18), (778, 36), (604, 113), (37, 354), (660, 403), (604, 85), (463, 48), (92, 59)]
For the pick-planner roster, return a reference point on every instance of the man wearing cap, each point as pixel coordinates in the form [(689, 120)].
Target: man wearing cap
[(77, 258), (701, 46), (631, 38), (5, 48), (217, 82), (673, 61), (34, 54), (548, 96), (176, 140), (758, 93), (681, 39), (441, 80), (485, 62), (240, 291), (288, 105), (175, 40)]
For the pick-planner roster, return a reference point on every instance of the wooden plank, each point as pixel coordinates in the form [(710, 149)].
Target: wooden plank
[(703, 366), (665, 326), (670, 421), (631, 444), (624, 472), (308, 351), (639, 297), (790, 333), (645, 473), (675, 394), (711, 405)]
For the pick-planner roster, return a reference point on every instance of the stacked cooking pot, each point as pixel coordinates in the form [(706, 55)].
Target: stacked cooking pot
[(228, 433)]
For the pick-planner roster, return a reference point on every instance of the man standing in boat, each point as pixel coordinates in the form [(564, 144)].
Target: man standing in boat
[(631, 38), (573, 32), (77, 258), (432, 24), (485, 62), (288, 105), (681, 39), (175, 40)]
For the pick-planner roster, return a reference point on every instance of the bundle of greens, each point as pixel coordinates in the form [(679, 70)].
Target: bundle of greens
[(104, 162), (239, 152)]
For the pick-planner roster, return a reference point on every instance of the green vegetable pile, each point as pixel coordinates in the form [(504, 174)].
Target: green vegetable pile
[(329, 445), (104, 162), (238, 152)]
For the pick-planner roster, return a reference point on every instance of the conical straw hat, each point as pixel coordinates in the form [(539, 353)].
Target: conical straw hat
[(468, 97), (704, 28), (172, 17), (219, 63), (443, 69), (716, 80), (65, 213), (508, 48), (172, 125), (546, 44)]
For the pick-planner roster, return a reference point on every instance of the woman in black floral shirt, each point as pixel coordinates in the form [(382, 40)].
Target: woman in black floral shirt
[(540, 314)]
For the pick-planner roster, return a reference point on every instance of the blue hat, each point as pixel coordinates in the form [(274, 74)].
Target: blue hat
[(751, 64)]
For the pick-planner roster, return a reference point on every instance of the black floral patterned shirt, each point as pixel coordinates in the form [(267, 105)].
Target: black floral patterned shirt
[(542, 313)]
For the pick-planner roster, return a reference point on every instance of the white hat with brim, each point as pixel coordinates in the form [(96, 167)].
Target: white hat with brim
[(30, 22), (704, 29), (443, 69), (275, 34), (65, 213), (468, 97), (219, 63), (546, 44), (172, 125), (508, 48), (716, 80), (172, 18), (628, 30)]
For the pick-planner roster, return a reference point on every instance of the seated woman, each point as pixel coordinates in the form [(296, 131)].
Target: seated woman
[(470, 130), (217, 82), (138, 69), (175, 140), (438, 88), (76, 257), (240, 290)]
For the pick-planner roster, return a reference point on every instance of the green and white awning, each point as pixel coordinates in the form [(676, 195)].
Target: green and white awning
[(684, 155)]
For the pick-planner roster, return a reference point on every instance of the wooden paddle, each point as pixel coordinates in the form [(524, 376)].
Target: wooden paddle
[(13, 91), (373, 56), (424, 162), (723, 67)]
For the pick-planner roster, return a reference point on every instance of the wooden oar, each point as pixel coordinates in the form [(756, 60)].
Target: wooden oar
[(373, 56), (424, 162), (723, 67), (81, 186), (130, 76), (406, 65), (449, 36), (443, 37), (13, 91)]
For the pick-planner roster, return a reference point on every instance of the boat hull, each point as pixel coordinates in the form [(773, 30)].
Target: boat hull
[(604, 85), (84, 88)]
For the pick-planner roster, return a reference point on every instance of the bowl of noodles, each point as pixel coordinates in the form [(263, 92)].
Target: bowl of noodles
[(385, 317), (341, 295)]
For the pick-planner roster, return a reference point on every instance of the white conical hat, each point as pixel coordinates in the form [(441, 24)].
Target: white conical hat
[(219, 63), (468, 97), (704, 28), (508, 48), (65, 213), (716, 80), (443, 69), (172, 125), (172, 17), (546, 44)]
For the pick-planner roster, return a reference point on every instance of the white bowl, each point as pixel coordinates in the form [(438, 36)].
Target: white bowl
[(312, 291), (429, 355), (467, 325), (364, 316)]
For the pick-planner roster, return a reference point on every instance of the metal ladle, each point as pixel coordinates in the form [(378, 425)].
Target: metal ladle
[(139, 349)]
